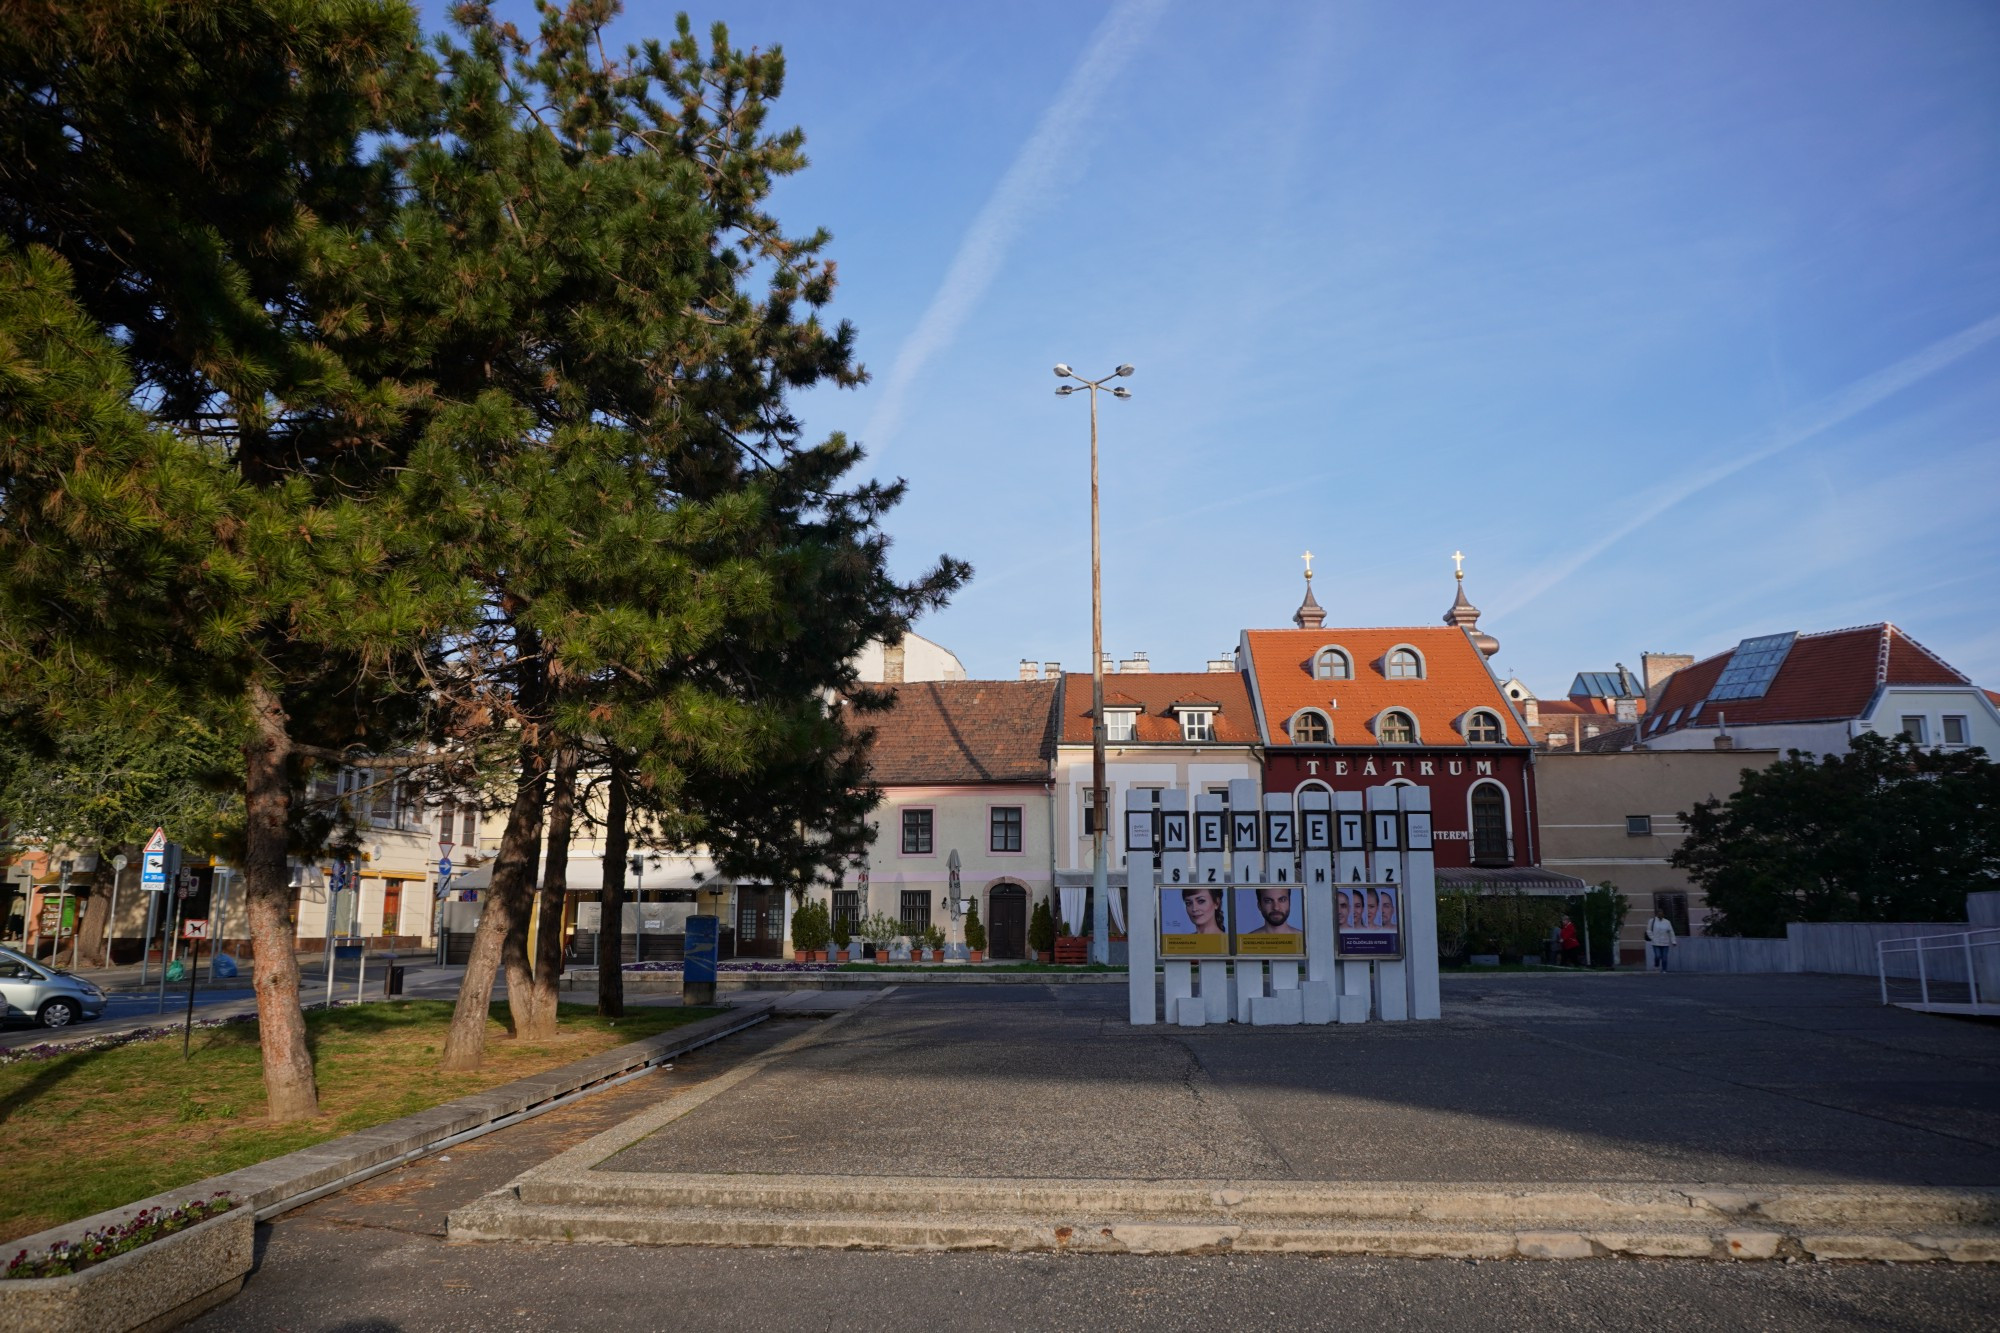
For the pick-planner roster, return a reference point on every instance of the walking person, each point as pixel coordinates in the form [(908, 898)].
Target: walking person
[(1660, 934)]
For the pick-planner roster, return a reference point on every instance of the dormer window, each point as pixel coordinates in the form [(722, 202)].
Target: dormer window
[(1403, 664), (1396, 728), (1483, 728), (1333, 664), (1309, 728), (1120, 724), (1197, 724)]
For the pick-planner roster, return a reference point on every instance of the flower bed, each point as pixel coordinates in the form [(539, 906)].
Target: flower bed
[(733, 965), (149, 1269), (48, 1050), (94, 1247)]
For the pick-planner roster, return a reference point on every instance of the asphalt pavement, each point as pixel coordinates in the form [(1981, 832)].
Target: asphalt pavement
[(1561, 1077)]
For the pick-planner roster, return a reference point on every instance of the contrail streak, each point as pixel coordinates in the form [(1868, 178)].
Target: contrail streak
[(1046, 161), (1820, 417)]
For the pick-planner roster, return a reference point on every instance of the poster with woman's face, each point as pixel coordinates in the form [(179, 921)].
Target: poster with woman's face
[(1369, 921), (1270, 922), (1194, 922)]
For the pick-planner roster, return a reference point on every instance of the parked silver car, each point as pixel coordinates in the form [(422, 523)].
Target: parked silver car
[(44, 994)]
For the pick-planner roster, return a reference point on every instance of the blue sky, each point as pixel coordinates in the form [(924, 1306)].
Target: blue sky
[(1682, 321)]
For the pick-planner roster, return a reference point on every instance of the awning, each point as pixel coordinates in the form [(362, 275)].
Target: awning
[(1535, 881)]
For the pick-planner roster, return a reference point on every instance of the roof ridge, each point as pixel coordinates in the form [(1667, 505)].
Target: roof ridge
[(1847, 629), (1889, 628)]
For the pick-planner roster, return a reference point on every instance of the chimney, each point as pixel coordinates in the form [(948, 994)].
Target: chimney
[(1052, 671), (1110, 665), (1531, 712), (1656, 667), (1723, 740), (1135, 665), (1628, 710), (1221, 665), (1029, 671)]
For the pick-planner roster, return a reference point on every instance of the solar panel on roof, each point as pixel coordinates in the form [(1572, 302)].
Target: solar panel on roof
[(1752, 667)]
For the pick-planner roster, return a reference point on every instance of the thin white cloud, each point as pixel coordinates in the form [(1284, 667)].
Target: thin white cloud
[(1816, 419), (1050, 158)]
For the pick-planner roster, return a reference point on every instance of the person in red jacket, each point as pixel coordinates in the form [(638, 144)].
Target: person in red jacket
[(1572, 947)]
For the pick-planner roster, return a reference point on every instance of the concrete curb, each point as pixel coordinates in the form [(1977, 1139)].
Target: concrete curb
[(1471, 1221), (269, 1188)]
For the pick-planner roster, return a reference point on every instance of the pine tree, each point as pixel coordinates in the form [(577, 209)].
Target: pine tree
[(194, 479), (608, 323)]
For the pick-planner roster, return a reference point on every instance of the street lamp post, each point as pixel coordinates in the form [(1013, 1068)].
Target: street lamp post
[(1100, 869)]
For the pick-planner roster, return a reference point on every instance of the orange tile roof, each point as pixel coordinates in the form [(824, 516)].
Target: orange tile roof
[(1154, 694), (1456, 680), (1826, 677)]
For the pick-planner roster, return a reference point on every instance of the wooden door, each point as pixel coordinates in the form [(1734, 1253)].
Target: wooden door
[(760, 922), (1007, 931), (392, 907)]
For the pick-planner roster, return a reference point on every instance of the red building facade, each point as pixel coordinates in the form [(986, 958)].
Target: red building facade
[(1346, 709)]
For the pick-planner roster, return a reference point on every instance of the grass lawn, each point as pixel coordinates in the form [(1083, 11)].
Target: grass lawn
[(979, 967), (98, 1129)]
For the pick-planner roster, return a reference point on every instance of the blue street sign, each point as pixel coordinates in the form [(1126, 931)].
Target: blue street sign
[(444, 867), (699, 956)]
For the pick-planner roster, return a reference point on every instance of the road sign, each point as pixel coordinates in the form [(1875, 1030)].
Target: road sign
[(158, 842), (194, 930), (153, 872), (444, 866)]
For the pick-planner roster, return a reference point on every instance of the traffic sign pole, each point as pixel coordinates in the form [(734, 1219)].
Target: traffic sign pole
[(194, 958)]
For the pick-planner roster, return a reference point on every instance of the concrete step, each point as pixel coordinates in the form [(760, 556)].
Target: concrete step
[(1275, 1202), (503, 1216)]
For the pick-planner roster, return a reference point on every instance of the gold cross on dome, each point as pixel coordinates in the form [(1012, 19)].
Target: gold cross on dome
[(1309, 564), (1458, 562)]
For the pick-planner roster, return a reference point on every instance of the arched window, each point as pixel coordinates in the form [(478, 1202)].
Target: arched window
[(1404, 664), (1395, 728), (1482, 728), (1333, 664), (1309, 728), (1489, 824)]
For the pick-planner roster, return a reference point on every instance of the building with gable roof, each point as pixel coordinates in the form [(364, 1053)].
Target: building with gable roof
[(1191, 729), (1816, 692), (1345, 709), (966, 767)]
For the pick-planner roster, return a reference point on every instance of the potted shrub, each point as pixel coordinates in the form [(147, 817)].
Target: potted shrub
[(975, 934), (809, 932), (881, 930), (842, 937), (1041, 931), (933, 943)]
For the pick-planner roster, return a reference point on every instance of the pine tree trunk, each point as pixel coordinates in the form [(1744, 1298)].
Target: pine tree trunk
[(96, 914), (555, 889), (502, 921), (289, 1090), (610, 936)]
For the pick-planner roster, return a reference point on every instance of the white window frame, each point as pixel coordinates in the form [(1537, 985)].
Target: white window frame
[(1921, 733), (1959, 722), (1117, 718), (1198, 724)]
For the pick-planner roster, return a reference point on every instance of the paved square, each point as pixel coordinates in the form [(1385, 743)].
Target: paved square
[(1573, 1077)]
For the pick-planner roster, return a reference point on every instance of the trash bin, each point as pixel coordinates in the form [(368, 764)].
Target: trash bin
[(394, 985)]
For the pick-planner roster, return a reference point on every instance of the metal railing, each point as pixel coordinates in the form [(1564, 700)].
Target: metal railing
[(1949, 970)]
